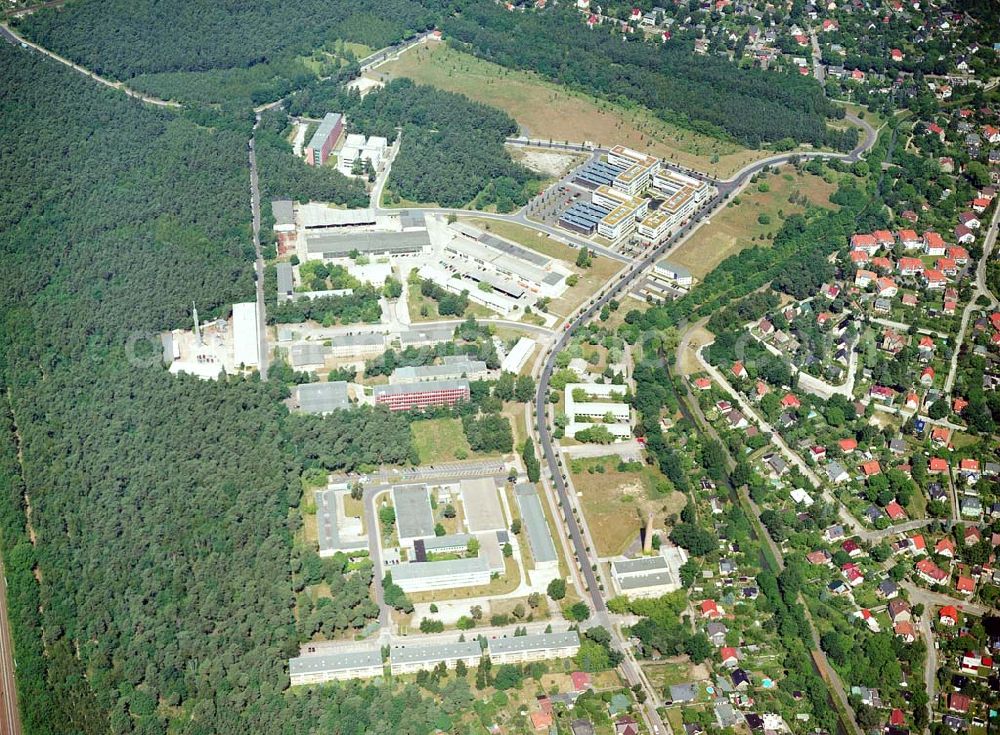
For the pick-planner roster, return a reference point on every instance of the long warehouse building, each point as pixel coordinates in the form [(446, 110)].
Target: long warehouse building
[(246, 338)]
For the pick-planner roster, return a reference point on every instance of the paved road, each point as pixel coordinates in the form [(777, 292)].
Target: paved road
[(980, 289), (10, 715), (262, 356), (16, 39), (936, 599), (617, 289)]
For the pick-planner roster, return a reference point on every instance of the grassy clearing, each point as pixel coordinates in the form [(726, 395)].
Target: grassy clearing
[(590, 280), (687, 361), (735, 228), (424, 309), (549, 111), (439, 440), (662, 675), (617, 503)]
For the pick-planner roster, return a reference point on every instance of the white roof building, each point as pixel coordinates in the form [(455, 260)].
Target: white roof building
[(518, 356), (602, 401), (246, 340)]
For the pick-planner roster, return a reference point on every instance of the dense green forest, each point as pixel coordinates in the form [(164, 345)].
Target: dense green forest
[(453, 148), (162, 507), (705, 93), (126, 38)]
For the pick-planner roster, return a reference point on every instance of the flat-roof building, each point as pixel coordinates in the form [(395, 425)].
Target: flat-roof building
[(646, 576), (442, 575), (543, 551), (285, 285), (404, 396), (534, 647), (335, 666), (324, 139), (481, 501), (407, 659), (308, 355), (681, 194), (316, 216), (322, 397), (625, 211), (364, 344), (597, 173), (462, 367), (342, 245), (639, 168), (583, 217), (518, 355), (418, 336), (246, 339), (283, 211), (601, 402), (414, 517)]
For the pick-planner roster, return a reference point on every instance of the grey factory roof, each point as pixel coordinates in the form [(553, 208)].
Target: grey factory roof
[(327, 525), (329, 122), (362, 339), (503, 246), (432, 653), (283, 212), (639, 581), (640, 565), (449, 369), (308, 354), (444, 568), (535, 642), (330, 662), (423, 387), (426, 335), (539, 538), (408, 219), (284, 271), (376, 243), (414, 518), (323, 397)]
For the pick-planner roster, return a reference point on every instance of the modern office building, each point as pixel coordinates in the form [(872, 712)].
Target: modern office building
[(536, 647), (625, 211), (358, 148), (335, 666), (246, 339), (681, 195), (543, 551), (322, 397), (324, 139), (442, 575), (638, 169), (600, 402), (404, 396), (408, 659)]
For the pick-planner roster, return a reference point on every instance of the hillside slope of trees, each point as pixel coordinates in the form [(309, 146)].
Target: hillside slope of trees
[(705, 93), (162, 507)]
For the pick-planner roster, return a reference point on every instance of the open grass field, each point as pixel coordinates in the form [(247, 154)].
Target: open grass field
[(736, 226), (439, 440), (616, 503), (424, 309), (590, 280), (547, 110)]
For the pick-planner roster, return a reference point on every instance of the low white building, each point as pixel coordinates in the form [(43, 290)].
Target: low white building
[(673, 272), (518, 356), (246, 338), (442, 575), (601, 402), (357, 147)]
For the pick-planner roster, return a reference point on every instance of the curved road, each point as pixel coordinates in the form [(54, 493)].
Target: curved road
[(631, 274)]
